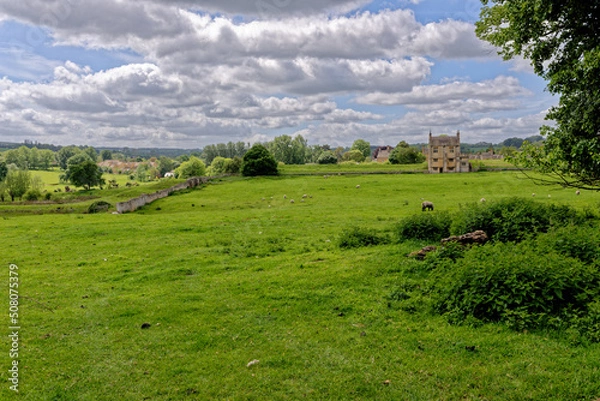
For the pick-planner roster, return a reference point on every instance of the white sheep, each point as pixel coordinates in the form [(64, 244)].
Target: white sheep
[(577, 192), (358, 186), (533, 194), (304, 196), (482, 200), (292, 201), (284, 196)]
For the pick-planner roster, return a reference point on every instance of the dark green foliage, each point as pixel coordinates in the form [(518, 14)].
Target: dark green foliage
[(65, 154), (445, 255), (327, 157), (3, 170), (99, 206), (86, 174), (32, 195), (519, 286), (562, 41), (513, 219), (424, 226), (258, 161), (356, 237), (406, 155), (106, 154), (576, 242)]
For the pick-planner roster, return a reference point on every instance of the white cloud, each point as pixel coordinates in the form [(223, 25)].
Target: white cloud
[(212, 71)]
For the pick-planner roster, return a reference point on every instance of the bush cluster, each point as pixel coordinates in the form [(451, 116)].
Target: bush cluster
[(519, 286), (356, 237), (513, 219), (424, 226), (540, 271)]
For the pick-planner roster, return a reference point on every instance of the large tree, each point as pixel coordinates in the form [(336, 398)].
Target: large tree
[(86, 174), (404, 154), (258, 161), (363, 146), (194, 167), (17, 182), (562, 41)]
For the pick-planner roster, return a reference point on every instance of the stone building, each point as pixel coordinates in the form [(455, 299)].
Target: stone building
[(444, 156), (382, 154)]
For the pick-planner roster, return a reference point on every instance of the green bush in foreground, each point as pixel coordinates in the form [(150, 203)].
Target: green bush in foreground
[(424, 226), (522, 287), (357, 237), (513, 219)]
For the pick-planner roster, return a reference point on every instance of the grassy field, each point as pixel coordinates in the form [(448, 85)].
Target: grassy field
[(234, 272)]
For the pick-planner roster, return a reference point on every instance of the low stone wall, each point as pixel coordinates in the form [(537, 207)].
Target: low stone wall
[(142, 200)]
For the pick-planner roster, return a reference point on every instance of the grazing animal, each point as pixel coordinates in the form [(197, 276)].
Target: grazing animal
[(358, 186), (284, 196), (533, 194), (482, 200), (426, 205), (577, 192)]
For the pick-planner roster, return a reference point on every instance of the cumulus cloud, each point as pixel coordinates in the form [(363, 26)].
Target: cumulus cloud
[(496, 94), (210, 71)]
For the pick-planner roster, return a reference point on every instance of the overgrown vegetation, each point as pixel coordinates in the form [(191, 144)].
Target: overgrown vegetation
[(424, 226), (539, 272)]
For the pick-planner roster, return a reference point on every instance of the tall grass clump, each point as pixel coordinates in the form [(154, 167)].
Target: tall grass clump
[(356, 237), (523, 288), (424, 226), (513, 219)]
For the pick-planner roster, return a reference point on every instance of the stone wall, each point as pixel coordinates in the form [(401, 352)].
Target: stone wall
[(142, 200)]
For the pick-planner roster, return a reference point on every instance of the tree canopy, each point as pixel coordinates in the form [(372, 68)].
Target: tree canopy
[(194, 167), (562, 41), (258, 161), (86, 174), (363, 146), (404, 154), (17, 182)]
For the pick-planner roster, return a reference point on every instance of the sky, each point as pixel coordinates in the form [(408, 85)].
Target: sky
[(189, 73)]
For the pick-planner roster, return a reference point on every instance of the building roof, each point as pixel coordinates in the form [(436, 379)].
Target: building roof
[(444, 140)]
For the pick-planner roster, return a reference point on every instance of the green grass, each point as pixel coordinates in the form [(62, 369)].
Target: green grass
[(224, 279)]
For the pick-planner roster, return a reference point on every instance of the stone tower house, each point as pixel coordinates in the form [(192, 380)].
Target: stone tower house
[(443, 155)]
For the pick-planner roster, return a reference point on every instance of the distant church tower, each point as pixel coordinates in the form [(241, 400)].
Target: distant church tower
[(443, 155)]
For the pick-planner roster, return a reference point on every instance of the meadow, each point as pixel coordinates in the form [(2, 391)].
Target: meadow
[(175, 301)]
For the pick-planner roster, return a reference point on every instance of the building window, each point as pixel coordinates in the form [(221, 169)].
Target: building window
[(451, 160), (435, 150), (435, 160)]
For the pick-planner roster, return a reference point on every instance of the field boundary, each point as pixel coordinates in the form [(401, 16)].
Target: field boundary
[(133, 204)]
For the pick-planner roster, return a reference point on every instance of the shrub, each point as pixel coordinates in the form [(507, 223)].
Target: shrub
[(258, 161), (327, 157), (424, 226), (32, 195), (513, 219), (48, 196), (356, 237), (99, 206), (518, 286), (576, 242)]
